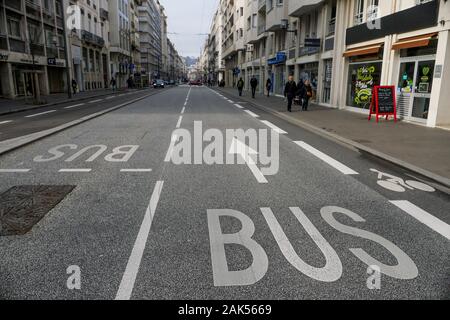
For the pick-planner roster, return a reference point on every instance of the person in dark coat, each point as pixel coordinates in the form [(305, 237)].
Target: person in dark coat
[(253, 84), (308, 95), (74, 86), (290, 90), (268, 86), (240, 86), (301, 92)]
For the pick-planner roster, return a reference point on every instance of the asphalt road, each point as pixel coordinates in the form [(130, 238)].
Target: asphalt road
[(144, 227)]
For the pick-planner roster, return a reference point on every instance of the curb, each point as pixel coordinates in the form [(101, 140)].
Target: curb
[(2, 113), (359, 147), (15, 143)]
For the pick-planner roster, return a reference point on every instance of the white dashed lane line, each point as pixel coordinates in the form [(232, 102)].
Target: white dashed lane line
[(95, 101), (14, 170), (273, 127), (136, 170), (254, 115), (424, 217), (179, 121), (322, 156), (40, 114), (239, 106), (5, 122), (74, 106), (75, 170)]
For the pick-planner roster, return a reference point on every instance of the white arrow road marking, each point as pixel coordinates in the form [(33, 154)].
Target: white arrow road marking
[(273, 127), (254, 115), (74, 106), (239, 106), (240, 148), (134, 262), (5, 122), (322, 156), (424, 217), (40, 114)]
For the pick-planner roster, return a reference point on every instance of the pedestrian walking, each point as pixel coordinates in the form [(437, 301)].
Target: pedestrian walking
[(253, 84), (268, 86), (74, 86), (301, 93), (308, 95), (290, 91), (240, 86), (113, 84)]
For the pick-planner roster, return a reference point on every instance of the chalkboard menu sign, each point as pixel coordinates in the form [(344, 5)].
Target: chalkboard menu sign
[(384, 102)]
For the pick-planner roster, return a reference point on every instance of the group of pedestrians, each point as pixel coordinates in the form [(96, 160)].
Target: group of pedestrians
[(302, 91)]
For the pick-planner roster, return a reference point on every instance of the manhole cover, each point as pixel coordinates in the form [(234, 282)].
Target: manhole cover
[(21, 207)]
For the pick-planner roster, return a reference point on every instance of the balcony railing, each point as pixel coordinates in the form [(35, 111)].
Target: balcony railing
[(92, 38), (332, 26)]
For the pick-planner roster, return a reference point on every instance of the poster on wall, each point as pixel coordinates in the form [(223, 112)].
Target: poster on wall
[(363, 86)]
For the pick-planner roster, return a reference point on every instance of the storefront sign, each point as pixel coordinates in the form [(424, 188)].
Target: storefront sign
[(384, 102), (312, 43)]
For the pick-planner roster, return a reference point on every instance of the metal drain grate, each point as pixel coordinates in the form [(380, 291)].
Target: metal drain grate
[(21, 207)]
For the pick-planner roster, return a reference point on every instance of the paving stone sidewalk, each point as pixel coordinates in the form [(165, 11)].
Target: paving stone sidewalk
[(415, 146)]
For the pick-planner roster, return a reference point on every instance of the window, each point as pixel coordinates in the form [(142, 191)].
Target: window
[(372, 10), (359, 12), (13, 27)]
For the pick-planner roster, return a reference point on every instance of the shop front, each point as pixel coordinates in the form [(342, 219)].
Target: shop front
[(364, 73), (327, 81), (278, 65), (310, 72), (416, 73)]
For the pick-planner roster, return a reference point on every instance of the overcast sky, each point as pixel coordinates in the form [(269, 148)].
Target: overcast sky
[(188, 18)]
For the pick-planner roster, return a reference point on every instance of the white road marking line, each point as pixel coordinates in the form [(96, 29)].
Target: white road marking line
[(273, 127), (245, 152), (134, 262), (422, 216), (74, 170), (14, 170), (5, 122), (172, 144), (230, 101), (254, 115), (39, 114), (136, 170), (95, 101), (182, 110), (107, 98), (239, 106), (332, 162), (179, 121), (74, 106)]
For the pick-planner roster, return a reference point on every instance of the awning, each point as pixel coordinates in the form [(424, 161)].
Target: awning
[(413, 42), (372, 49)]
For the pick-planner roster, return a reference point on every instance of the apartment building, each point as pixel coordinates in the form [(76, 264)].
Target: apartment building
[(215, 65), (89, 45), (344, 48), (32, 48)]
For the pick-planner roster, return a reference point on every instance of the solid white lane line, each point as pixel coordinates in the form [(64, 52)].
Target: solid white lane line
[(95, 101), (172, 144), (40, 114), (239, 106), (422, 216), (254, 115), (273, 127), (179, 121), (74, 106), (136, 170), (322, 156), (182, 110), (75, 170), (129, 277), (14, 170), (5, 122)]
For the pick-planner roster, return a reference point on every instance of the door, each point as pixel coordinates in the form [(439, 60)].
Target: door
[(415, 85)]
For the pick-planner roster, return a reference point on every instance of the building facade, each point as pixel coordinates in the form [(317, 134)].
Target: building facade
[(32, 48), (344, 48)]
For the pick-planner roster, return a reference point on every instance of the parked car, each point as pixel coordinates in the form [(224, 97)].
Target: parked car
[(172, 82), (158, 84)]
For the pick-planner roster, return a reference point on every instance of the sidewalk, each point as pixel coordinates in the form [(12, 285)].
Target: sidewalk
[(10, 106), (417, 148)]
